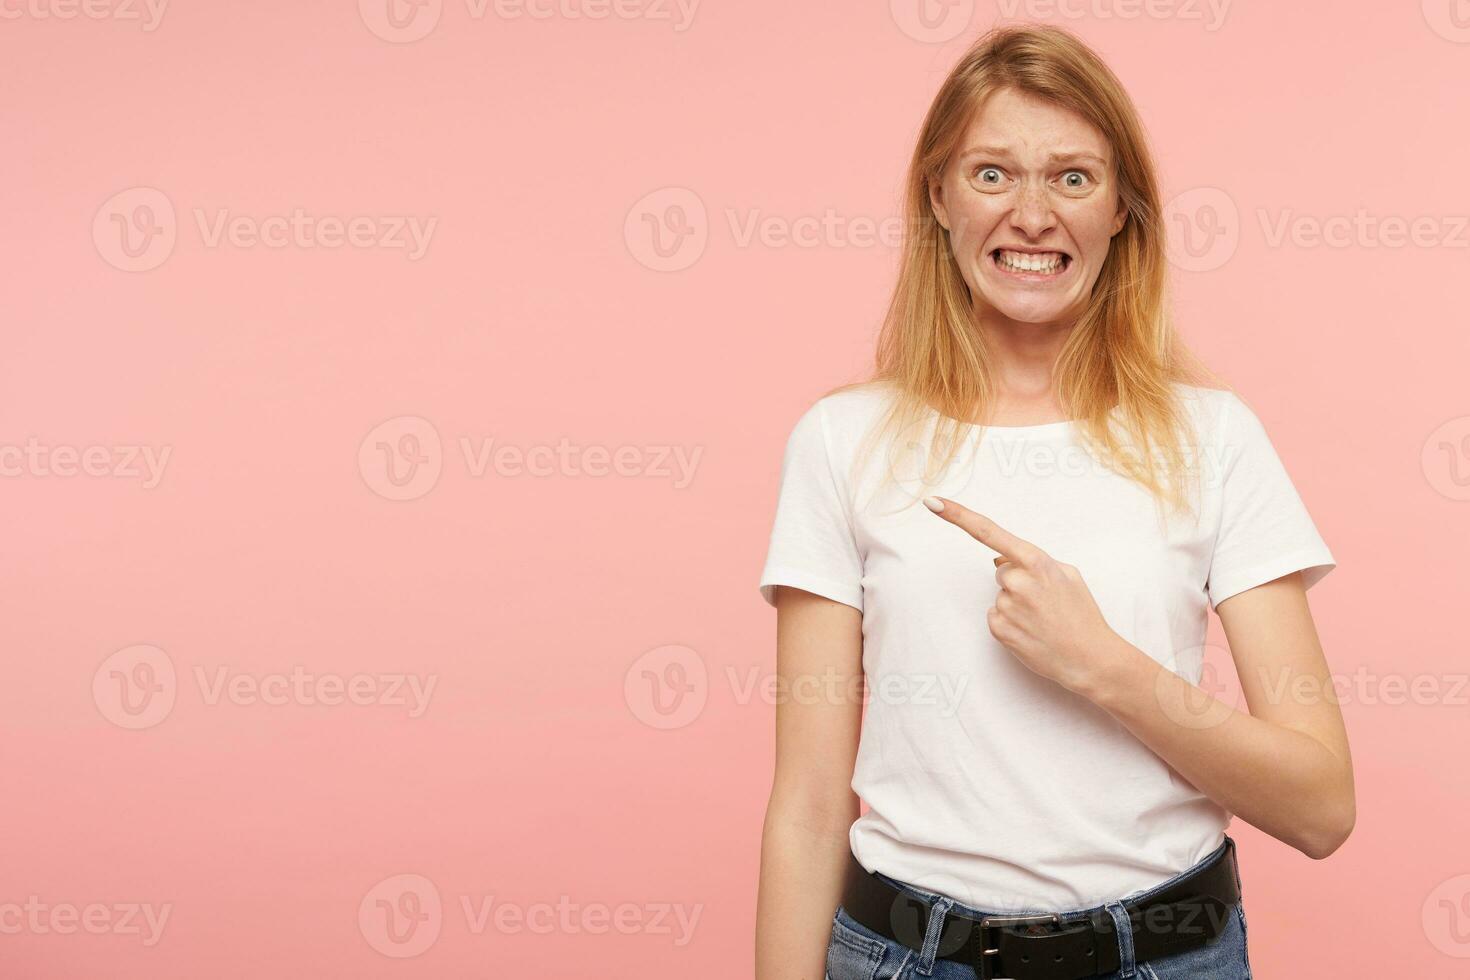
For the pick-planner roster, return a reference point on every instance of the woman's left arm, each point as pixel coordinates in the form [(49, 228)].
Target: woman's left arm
[(1284, 767)]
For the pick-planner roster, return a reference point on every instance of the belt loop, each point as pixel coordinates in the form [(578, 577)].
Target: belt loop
[(1234, 862), (937, 913), (1124, 927)]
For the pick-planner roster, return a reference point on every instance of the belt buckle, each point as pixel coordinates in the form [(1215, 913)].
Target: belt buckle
[(988, 949)]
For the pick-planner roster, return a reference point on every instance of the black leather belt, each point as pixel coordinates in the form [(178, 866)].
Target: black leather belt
[(1189, 913)]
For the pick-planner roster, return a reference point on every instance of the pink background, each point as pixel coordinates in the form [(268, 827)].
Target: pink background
[(544, 770)]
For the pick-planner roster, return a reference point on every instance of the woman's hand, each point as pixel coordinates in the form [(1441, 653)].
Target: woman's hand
[(1044, 614)]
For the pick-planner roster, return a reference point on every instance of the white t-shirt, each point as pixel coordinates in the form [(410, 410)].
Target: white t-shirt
[(983, 780)]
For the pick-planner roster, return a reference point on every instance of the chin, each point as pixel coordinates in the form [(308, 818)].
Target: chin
[(1027, 305), (1025, 309)]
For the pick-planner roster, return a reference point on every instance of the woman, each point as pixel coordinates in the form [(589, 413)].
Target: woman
[(1047, 787)]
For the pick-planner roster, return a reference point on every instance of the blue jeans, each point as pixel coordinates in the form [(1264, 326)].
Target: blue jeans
[(857, 953)]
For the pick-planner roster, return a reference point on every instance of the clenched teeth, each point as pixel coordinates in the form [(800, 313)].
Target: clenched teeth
[(1030, 261)]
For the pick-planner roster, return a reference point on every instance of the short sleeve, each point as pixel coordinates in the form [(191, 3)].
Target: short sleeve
[(1265, 531), (812, 545)]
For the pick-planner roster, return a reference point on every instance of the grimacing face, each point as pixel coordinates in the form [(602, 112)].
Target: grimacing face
[(1031, 206)]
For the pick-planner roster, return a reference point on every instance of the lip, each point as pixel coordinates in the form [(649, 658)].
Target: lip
[(1029, 250), (1041, 277)]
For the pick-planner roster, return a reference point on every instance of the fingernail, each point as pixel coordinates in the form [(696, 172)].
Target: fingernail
[(934, 504)]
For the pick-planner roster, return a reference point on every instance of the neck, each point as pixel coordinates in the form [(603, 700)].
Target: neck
[(1022, 359)]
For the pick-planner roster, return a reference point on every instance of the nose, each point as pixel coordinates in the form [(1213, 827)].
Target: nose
[(1033, 215)]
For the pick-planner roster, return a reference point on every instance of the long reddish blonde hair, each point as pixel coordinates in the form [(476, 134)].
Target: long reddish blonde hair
[(1123, 350)]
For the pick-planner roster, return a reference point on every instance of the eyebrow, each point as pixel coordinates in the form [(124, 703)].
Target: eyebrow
[(1000, 151)]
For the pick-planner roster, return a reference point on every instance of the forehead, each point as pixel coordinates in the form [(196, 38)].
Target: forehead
[(1028, 125)]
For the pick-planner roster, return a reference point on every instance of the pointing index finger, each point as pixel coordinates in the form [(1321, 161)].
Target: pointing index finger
[(984, 530)]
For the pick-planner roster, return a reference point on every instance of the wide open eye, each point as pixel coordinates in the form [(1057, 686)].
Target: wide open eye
[(1076, 180), (989, 175)]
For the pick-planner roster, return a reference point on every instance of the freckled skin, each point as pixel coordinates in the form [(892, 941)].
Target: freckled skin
[(1021, 196)]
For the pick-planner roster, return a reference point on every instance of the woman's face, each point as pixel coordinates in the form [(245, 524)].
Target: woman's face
[(1031, 206)]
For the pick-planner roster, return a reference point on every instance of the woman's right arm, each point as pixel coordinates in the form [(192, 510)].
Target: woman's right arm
[(804, 848)]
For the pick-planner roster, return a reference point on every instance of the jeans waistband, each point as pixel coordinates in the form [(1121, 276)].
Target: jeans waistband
[(1077, 913)]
